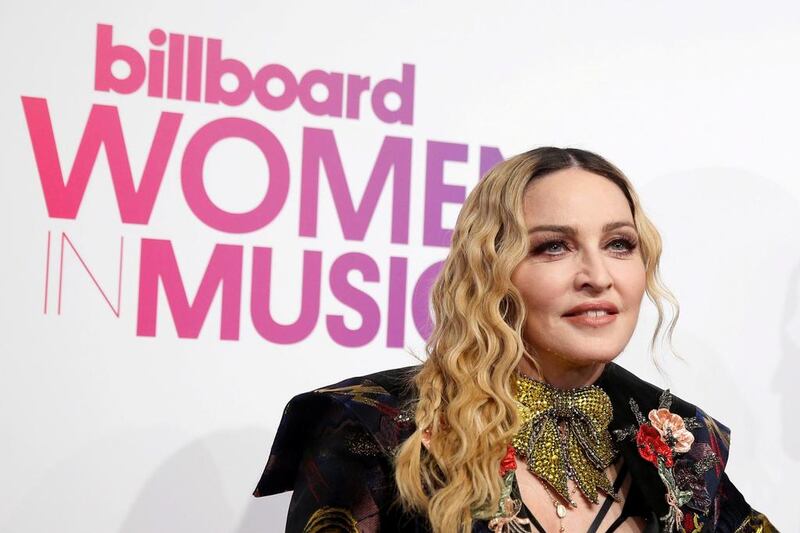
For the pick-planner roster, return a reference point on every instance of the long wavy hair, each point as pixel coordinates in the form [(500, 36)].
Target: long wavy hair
[(465, 391)]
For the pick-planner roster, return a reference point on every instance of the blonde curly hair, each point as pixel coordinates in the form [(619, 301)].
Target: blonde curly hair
[(465, 396)]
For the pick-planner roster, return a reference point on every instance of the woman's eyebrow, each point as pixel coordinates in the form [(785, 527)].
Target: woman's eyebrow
[(569, 230)]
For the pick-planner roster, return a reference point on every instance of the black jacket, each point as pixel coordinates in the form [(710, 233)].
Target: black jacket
[(334, 445)]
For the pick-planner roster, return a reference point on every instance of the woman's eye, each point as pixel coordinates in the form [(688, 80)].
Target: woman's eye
[(628, 245), (550, 247)]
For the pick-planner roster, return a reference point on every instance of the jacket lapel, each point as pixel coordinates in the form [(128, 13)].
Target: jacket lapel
[(622, 386)]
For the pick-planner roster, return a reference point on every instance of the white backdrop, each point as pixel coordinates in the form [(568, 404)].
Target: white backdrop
[(110, 427)]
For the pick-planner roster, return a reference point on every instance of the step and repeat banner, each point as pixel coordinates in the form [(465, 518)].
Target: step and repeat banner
[(211, 207)]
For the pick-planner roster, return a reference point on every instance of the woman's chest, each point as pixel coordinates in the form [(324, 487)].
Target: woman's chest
[(551, 513)]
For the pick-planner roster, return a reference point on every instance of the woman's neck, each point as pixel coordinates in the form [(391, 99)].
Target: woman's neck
[(561, 374)]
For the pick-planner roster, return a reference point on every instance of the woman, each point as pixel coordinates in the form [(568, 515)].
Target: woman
[(519, 420)]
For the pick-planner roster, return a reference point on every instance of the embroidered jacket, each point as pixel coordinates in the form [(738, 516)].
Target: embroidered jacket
[(334, 446)]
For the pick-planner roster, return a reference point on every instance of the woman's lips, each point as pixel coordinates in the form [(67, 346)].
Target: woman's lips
[(592, 321)]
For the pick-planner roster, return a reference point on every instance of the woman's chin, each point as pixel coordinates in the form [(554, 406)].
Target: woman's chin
[(590, 355)]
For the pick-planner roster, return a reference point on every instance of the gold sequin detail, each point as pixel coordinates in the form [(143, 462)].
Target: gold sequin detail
[(756, 522), (362, 443), (359, 393), (565, 435), (331, 519)]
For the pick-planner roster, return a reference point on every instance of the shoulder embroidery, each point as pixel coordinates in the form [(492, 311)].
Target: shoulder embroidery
[(665, 440), (756, 523), (362, 443), (386, 422), (331, 519), (359, 392), (503, 516)]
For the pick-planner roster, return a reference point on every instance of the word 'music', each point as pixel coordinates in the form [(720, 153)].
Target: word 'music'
[(186, 58)]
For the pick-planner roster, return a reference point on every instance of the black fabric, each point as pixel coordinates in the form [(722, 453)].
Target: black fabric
[(601, 514), (335, 444)]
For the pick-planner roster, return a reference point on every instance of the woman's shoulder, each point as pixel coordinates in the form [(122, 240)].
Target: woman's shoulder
[(362, 418), (636, 401), (626, 388), (695, 447)]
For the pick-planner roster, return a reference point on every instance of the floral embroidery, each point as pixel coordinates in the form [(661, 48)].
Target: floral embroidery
[(509, 462), (672, 429), (503, 516), (651, 447), (691, 523), (664, 439), (508, 521)]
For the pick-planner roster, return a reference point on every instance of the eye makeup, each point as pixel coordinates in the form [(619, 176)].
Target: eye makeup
[(629, 242)]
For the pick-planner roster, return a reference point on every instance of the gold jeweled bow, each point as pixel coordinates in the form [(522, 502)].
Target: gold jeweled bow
[(565, 435)]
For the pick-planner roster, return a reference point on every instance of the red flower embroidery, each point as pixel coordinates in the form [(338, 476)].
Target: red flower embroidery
[(651, 446), (666, 435), (509, 462), (690, 523)]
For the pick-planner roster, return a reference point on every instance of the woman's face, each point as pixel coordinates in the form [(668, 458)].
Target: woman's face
[(593, 257)]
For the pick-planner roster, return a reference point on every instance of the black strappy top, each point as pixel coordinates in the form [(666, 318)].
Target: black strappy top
[(634, 506)]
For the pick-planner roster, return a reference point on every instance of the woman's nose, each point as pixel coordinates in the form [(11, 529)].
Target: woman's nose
[(593, 271)]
